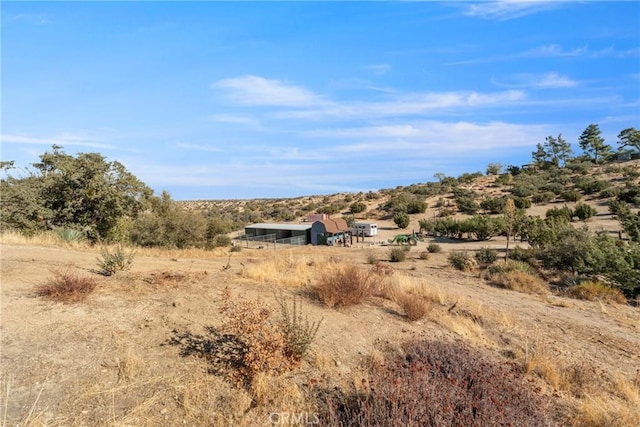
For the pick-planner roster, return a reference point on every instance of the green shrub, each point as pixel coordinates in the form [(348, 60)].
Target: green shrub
[(486, 255), (111, 262), (584, 211), (522, 202), (571, 196), (608, 193), (630, 196), (543, 197), (298, 331), (564, 213), (591, 185), (510, 266), (460, 260), (494, 205), (397, 254), (71, 235), (221, 240), (357, 207), (494, 169), (401, 219)]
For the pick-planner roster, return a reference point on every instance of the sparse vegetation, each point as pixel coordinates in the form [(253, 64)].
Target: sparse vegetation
[(67, 287), (438, 384), (298, 331), (434, 248), (110, 262), (461, 260), (397, 255)]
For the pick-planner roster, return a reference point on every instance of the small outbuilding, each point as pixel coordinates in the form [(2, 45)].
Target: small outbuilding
[(329, 231), (295, 234)]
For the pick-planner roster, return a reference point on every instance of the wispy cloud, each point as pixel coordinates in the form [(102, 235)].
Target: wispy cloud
[(235, 119), (64, 140), (378, 69), (260, 91), (196, 147), (550, 80), (405, 105), (554, 50), (31, 18), (509, 9), (424, 138)]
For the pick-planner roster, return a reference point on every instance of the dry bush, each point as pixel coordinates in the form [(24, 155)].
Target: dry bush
[(345, 285), (461, 260), (382, 269), (438, 384), (67, 287), (618, 408), (596, 291), (519, 281), (414, 306), (263, 344)]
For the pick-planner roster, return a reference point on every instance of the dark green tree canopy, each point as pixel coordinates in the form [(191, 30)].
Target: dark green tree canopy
[(629, 138), (592, 143), (83, 191)]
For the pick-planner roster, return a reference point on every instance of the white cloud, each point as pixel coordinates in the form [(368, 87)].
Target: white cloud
[(550, 80), (427, 138), (259, 91), (508, 9), (378, 69), (64, 140), (555, 50), (408, 104)]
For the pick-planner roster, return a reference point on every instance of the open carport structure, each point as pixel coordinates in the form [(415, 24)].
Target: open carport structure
[(288, 234)]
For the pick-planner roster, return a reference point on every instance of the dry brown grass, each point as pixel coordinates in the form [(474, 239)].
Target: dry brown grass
[(67, 287), (519, 281), (596, 291), (286, 269)]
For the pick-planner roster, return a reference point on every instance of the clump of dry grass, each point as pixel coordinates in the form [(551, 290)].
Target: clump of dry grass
[(519, 281), (414, 306), (67, 287), (344, 285), (596, 291)]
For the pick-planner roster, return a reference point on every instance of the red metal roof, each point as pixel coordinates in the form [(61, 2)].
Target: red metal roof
[(334, 226)]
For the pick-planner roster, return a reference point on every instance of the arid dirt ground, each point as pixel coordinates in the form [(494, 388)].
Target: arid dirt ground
[(107, 361)]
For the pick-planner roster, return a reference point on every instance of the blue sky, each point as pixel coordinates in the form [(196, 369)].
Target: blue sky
[(215, 100)]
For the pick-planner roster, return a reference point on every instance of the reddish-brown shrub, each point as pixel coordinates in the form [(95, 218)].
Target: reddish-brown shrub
[(344, 286), (67, 287), (438, 384)]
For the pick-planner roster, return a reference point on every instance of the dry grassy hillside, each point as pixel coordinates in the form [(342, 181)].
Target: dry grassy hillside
[(212, 337)]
